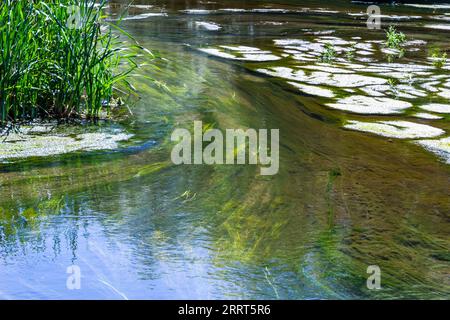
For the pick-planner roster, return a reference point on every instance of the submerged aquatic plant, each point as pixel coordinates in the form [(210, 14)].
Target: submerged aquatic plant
[(59, 59), (394, 38), (328, 54), (398, 54), (439, 58), (350, 54), (393, 86)]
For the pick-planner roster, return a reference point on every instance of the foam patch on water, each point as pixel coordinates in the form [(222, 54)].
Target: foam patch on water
[(376, 91), (396, 129), (364, 52), (444, 93), (300, 45), (355, 66), (323, 78), (210, 26), (239, 10), (357, 14), (320, 10), (233, 10), (246, 54), (445, 18), (333, 40), (41, 142), (364, 46), (439, 147), (428, 116), (438, 26), (409, 91), (242, 48), (403, 67), (395, 17), (313, 90), (270, 10), (437, 107), (326, 68), (145, 16), (321, 32), (259, 57), (428, 6), (415, 43), (314, 48), (217, 53), (197, 11), (370, 105), (141, 6), (273, 23), (300, 56), (350, 80), (390, 51), (430, 86)]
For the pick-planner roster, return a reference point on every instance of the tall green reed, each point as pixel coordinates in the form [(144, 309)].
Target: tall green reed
[(60, 59)]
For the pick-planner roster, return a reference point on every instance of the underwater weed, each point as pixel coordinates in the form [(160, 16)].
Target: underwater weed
[(350, 54), (439, 58), (393, 83)]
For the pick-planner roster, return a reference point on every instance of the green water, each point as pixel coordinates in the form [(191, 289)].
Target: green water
[(140, 227)]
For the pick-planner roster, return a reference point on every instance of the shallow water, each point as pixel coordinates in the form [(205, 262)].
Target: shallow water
[(140, 227)]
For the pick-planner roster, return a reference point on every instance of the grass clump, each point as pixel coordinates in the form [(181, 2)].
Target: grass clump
[(328, 54), (59, 59), (394, 38), (439, 58)]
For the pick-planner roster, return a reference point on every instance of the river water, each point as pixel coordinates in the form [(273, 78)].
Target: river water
[(344, 199)]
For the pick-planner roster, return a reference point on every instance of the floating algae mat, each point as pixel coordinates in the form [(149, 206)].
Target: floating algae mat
[(49, 140), (241, 53), (396, 129), (440, 147), (369, 105), (435, 107), (358, 79)]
